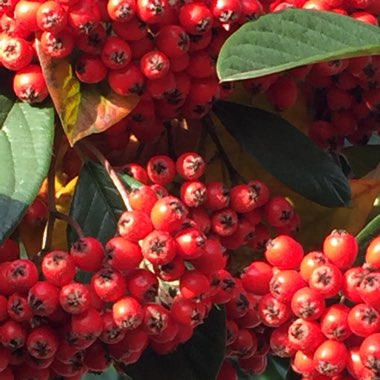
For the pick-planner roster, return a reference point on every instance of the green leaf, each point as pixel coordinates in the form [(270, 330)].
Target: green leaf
[(198, 359), (283, 40), (364, 237), (362, 159), (276, 370), (287, 153), (26, 139), (97, 205)]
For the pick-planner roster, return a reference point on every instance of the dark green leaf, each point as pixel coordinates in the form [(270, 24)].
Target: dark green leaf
[(6, 105), (369, 232), (287, 153), (26, 139), (198, 359), (276, 370), (110, 374), (295, 37), (97, 204), (291, 375), (362, 159)]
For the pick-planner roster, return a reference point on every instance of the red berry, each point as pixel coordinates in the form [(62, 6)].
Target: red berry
[(168, 214), (29, 84), (340, 248), (161, 169), (308, 304), (326, 279), (334, 322), (128, 313), (109, 284), (284, 252), (372, 256), (21, 275), (42, 343), (58, 268), (196, 18), (134, 225), (330, 358), (88, 254), (43, 298), (74, 298), (122, 254)]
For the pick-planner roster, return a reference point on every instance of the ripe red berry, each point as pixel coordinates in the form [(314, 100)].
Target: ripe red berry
[(284, 284), (74, 298), (134, 225), (161, 169), (330, 358), (334, 322), (363, 320), (21, 275), (326, 279), (88, 254), (128, 313), (370, 353), (372, 256), (51, 17), (127, 81), (340, 248), (305, 335), (172, 40), (256, 277), (121, 254), (116, 53), (15, 53), (190, 166), (273, 312), (121, 10), (43, 298), (168, 214), (278, 211), (284, 252), (196, 18), (42, 343), (311, 261), (218, 196), (194, 285), (90, 69), (143, 285), (109, 284), (58, 267), (308, 304), (224, 222)]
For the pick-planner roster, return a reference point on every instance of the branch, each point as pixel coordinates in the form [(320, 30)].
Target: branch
[(70, 221)]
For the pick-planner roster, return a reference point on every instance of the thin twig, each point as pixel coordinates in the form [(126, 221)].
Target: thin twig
[(121, 188), (48, 233), (234, 175), (71, 222)]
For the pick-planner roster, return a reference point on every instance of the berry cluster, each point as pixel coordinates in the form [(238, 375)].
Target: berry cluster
[(151, 285), (164, 51), (344, 94), (316, 309)]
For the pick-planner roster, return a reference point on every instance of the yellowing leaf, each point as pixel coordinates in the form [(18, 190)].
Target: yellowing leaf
[(83, 110), (63, 202)]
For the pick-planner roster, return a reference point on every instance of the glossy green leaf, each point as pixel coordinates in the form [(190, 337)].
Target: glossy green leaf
[(287, 153), (198, 359), (295, 37), (277, 369), (364, 237), (26, 139), (97, 204)]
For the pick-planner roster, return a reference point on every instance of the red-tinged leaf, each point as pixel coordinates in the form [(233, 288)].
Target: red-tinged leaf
[(82, 109)]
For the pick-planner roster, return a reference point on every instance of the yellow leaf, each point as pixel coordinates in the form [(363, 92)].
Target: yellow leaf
[(64, 197), (83, 110)]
